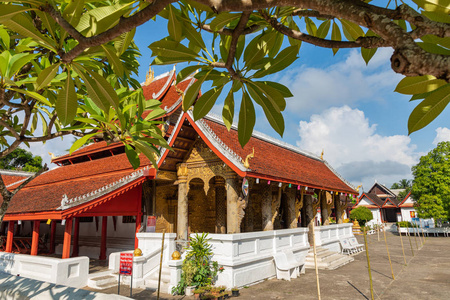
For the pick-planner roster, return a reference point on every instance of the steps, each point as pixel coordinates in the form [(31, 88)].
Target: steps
[(152, 281), (326, 259), (102, 280)]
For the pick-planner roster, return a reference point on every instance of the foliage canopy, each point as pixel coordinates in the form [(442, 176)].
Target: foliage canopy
[(361, 214), (22, 160)]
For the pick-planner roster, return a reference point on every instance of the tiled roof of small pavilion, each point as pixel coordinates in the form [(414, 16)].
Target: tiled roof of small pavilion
[(391, 202), (12, 177), (403, 204), (377, 201), (274, 160), (77, 183)]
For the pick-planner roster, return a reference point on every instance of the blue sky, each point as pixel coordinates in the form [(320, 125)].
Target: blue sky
[(340, 105)]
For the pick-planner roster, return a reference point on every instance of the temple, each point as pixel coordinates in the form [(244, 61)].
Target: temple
[(252, 201)]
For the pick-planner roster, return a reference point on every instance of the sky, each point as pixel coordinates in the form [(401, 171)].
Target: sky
[(340, 106)]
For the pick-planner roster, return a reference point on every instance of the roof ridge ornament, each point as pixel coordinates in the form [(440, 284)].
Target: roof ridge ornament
[(246, 161), (149, 77)]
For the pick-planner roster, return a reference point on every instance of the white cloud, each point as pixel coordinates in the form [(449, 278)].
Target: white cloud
[(442, 135), (353, 147), (346, 82)]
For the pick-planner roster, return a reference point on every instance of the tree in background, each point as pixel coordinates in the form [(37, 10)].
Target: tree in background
[(431, 184), (429, 206), (404, 184), (361, 214), (21, 160)]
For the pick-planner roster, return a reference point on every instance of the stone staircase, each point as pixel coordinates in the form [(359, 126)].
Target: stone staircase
[(151, 282), (326, 259), (102, 280)]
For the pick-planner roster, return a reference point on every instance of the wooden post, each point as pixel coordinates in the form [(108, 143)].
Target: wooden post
[(10, 236), (67, 238), (403, 249), (415, 237), (315, 262), (52, 237), (368, 263), (76, 233), (103, 239), (35, 238), (160, 262), (418, 233), (389, 256), (378, 231), (410, 243), (423, 234)]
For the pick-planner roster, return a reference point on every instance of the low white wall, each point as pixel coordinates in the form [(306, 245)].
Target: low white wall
[(406, 213), (247, 258), (70, 272), (328, 236)]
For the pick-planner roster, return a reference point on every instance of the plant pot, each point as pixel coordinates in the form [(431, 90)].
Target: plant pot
[(235, 293), (189, 291), (196, 296)]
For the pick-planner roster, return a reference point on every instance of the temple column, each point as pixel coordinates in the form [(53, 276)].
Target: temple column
[(183, 214), (232, 204), (10, 236), (67, 238), (221, 206), (52, 237), (309, 211), (138, 228), (324, 208), (339, 209), (103, 238), (76, 233), (266, 207), (291, 211), (248, 225), (35, 238)]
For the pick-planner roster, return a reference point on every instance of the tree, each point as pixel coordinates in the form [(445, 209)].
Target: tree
[(362, 214), (41, 98), (234, 63), (22, 160), (404, 184), (429, 206), (431, 184)]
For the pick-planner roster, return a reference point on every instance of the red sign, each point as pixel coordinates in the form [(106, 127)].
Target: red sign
[(151, 224), (126, 263)]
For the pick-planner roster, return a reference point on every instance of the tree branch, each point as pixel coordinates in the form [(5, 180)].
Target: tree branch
[(234, 40), (227, 31), (311, 13)]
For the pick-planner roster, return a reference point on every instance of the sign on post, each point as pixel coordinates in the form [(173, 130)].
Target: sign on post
[(151, 224), (126, 264)]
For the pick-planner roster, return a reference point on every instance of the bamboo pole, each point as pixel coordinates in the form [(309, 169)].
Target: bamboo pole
[(403, 248), (410, 243), (368, 263), (415, 237), (160, 263), (423, 234), (418, 229), (315, 262), (378, 231), (389, 256)]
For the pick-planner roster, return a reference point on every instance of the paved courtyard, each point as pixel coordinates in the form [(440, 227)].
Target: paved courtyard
[(427, 275)]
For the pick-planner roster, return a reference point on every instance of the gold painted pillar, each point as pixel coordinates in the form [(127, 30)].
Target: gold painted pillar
[(310, 215), (232, 203), (266, 206), (324, 208), (183, 214), (291, 211), (221, 206), (340, 207)]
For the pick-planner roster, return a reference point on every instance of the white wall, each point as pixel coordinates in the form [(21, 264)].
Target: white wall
[(329, 236), (406, 213), (376, 217)]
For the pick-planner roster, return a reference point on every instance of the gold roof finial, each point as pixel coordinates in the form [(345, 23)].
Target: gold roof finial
[(246, 162), (52, 155), (149, 77), (357, 188), (321, 155)]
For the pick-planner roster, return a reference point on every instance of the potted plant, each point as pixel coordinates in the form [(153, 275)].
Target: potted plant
[(235, 292), (207, 296), (226, 295), (222, 288), (198, 293)]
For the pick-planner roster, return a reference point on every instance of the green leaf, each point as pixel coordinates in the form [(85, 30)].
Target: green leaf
[(273, 50), (222, 20), (437, 16), (247, 119), (113, 59), (272, 94), (46, 76), (228, 110), (206, 102), (433, 48), (323, 30), (283, 90), (351, 30), (310, 27), (284, 59), (7, 11), (192, 92), (172, 49), (124, 42), (193, 35), (80, 142), (33, 95), (271, 109), (184, 73), (442, 6), (429, 108), (147, 150), (67, 102), (418, 84), (5, 38), (132, 156), (173, 25), (92, 89), (367, 54), (17, 61), (160, 60), (335, 36)]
